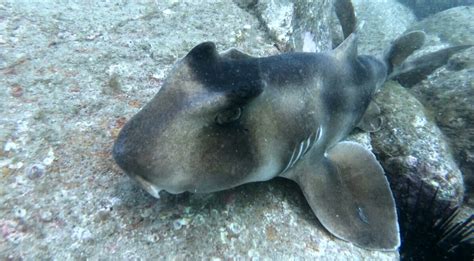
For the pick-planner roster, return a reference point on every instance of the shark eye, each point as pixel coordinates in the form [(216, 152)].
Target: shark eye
[(228, 115)]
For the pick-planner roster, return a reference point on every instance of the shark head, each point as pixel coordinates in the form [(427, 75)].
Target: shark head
[(194, 134), (221, 120)]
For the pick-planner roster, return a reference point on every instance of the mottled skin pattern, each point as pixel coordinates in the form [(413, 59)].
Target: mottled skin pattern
[(221, 120)]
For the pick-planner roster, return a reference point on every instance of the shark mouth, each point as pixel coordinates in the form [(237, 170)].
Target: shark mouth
[(148, 186)]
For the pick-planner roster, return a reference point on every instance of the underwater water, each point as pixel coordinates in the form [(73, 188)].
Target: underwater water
[(73, 73)]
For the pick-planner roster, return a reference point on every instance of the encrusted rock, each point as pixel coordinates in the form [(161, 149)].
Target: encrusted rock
[(383, 22), (311, 26), (35, 171), (448, 28), (294, 24), (449, 95), (412, 149), (424, 8), (448, 92), (274, 16)]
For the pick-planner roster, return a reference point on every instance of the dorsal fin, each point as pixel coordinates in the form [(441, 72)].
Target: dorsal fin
[(203, 53), (347, 49), (235, 54)]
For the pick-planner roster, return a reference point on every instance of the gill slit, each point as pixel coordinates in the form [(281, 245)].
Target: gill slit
[(304, 146)]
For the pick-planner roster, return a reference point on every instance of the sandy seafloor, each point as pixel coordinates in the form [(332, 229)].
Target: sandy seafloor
[(71, 74)]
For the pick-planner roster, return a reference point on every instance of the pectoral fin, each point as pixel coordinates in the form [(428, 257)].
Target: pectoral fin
[(351, 197)]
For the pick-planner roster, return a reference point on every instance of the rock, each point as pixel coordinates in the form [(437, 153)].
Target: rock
[(448, 28), (448, 92), (274, 16), (263, 218), (311, 26), (462, 60), (449, 96), (413, 150), (19, 212), (35, 171), (84, 207), (46, 216), (292, 24), (383, 22), (447, 33), (424, 8)]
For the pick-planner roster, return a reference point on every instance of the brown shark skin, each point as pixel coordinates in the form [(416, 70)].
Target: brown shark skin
[(222, 120), (175, 142)]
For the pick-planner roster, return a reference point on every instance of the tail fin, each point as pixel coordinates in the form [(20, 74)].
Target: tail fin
[(346, 16), (411, 73)]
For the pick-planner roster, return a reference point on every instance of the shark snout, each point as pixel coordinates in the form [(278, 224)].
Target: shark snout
[(119, 153), (139, 152), (123, 158), (131, 150), (124, 154)]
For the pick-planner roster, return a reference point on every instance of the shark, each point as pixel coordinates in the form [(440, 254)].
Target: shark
[(224, 119)]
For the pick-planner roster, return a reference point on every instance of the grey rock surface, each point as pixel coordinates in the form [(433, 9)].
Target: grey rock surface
[(412, 149), (449, 95), (448, 92), (404, 143), (424, 8), (384, 21), (448, 28), (276, 17), (311, 26), (71, 75), (293, 25)]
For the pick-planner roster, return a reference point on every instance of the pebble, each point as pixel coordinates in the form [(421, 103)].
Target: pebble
[(103, 214), (19, 212), (46, 216), (35, 171), (16, 90), (223, 235), (179, 223), (114, 83), (10, 146), (50, 158), (17, 165), (146, 213), (167, 12), (214, 213), (234, 228), (152, 238), (82, 234), (199, 220)]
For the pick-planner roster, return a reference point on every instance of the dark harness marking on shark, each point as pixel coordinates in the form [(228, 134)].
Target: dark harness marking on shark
[(224, 119)]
